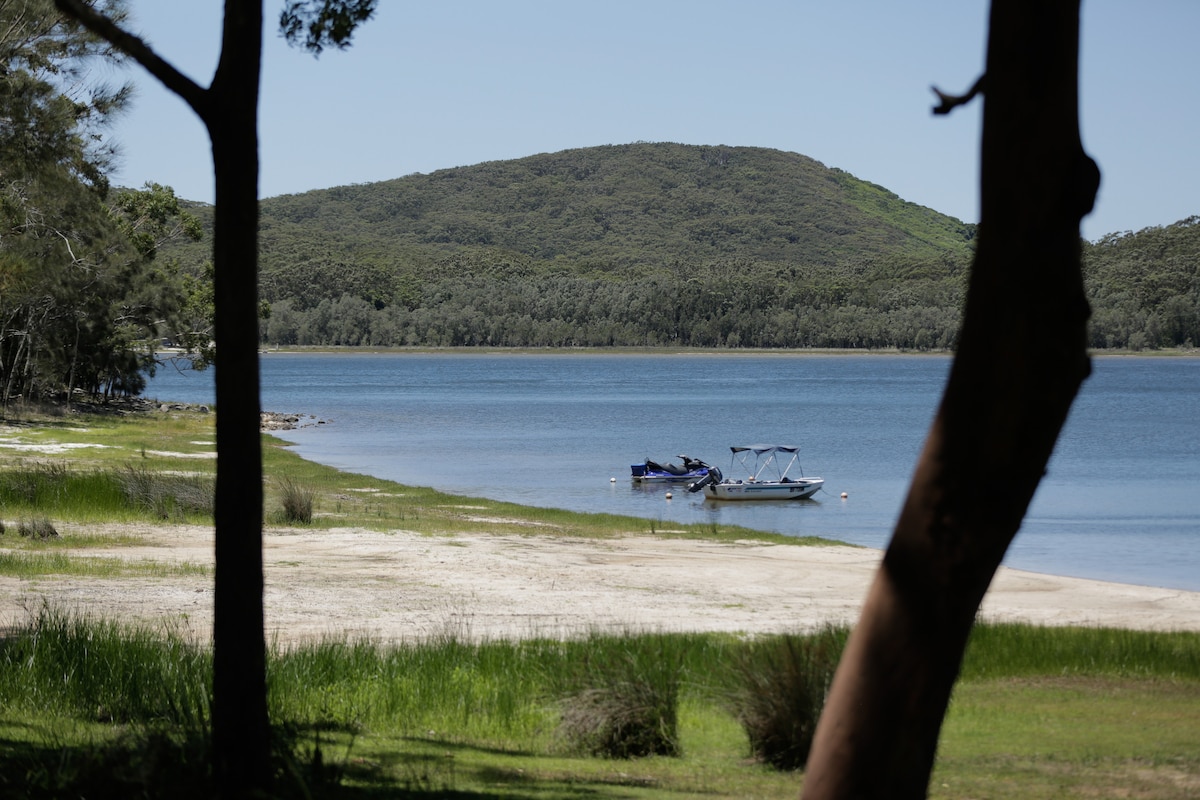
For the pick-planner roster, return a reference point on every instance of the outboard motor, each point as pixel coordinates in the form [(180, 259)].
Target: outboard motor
[(713, 476)]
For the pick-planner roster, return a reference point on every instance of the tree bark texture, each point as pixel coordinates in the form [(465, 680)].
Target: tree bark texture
[(1021, 360)]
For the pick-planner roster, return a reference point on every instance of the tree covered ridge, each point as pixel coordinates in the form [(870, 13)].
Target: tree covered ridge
[(665, 245), (609, 208), (1145, 287), (617, 206)]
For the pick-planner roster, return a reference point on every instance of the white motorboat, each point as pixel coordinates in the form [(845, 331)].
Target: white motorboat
[(766, 476)]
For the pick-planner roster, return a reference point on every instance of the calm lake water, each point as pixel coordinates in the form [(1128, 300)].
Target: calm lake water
[(1120, 502)]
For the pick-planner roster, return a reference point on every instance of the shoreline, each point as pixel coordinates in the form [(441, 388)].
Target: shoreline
[(673, 351), (400, 586), (277, 423), (502, 574)]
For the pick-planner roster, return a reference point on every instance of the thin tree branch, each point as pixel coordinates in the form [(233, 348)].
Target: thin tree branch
[(191, 92), (949, 102)]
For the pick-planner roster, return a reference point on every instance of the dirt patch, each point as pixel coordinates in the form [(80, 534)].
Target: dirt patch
[(399, 585)]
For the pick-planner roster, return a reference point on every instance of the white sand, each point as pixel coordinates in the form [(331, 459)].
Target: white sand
[(401, 585)]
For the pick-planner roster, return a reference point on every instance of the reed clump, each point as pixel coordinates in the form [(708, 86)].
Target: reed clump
[(296, 502), (780, 690), (625, 702), (166, 495), (153, 688), (39, 483)]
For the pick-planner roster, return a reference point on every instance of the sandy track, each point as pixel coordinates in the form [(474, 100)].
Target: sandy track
[(401, 585)]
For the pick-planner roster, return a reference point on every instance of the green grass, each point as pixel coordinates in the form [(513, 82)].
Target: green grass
[(128, 492), (97, 670), (1049, 737), (482, 717), (28, 565), (1023, 650)]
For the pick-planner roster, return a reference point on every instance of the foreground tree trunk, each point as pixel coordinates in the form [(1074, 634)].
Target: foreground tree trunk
[(1021, 360), (240, 724), (229, 110)]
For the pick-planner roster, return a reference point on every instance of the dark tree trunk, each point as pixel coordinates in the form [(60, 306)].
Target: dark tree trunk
[(1021, 360), (229, 109), (241, 735)]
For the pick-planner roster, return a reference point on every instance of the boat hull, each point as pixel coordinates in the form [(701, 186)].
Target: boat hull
[(669, 477), (798, 489)]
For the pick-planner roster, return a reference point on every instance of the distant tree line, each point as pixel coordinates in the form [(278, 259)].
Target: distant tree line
[(1144, 290), (1145, 287), (884, 304)]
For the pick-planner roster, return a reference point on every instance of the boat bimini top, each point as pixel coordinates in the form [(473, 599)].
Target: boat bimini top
[(765, 455)]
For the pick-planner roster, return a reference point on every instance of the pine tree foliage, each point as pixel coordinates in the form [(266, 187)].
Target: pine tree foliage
[(82, 297)]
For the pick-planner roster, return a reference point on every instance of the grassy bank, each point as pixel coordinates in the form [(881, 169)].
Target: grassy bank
[(484, 719), (1039, 713), (160, 466)]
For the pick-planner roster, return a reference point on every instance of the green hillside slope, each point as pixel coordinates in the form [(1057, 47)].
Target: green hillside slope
[(619, 206), (661, 244)]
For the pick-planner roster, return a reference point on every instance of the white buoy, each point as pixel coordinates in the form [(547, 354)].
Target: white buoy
[(668, 495), (844, 495), (612, 480)]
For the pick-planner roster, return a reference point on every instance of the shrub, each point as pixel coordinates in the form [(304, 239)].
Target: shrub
[(39, 528), (782, 685), (629, 707), (297, 501)]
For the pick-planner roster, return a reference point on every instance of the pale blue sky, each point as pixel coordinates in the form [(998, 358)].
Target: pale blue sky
[(450, 83)]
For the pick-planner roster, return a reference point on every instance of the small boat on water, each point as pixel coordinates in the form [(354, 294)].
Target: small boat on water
[(693, 469), (766, 476)]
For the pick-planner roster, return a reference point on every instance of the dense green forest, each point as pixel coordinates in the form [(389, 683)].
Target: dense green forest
[(633, 245), (647, 244), (661, 244)]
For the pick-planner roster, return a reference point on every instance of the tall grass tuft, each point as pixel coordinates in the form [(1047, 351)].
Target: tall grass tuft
[(782, 685), (167, 496), (33, 484), (297, 501), (626, 702)]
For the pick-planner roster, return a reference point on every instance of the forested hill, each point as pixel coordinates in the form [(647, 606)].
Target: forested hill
[(663, 245), (618, 206)]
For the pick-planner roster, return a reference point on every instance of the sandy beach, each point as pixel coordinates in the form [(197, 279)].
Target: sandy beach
[(402, 586)]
